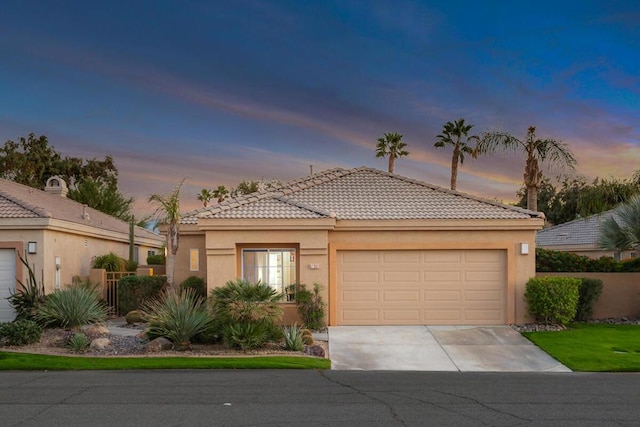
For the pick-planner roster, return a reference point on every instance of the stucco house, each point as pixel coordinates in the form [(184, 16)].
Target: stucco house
[(580, 237), (388, 250), (59, 235)]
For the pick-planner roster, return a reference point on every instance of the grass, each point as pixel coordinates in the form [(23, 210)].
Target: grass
[(39, 362), (593, 347)]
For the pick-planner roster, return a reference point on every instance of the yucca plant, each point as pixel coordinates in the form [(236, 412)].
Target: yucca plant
[(72, 307), (78, 342), (293, 337), (29, 296), (177, 316)]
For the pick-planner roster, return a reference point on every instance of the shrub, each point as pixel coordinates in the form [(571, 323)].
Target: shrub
[(311, 307), (552, 300), (177, 316), (78, 342), (134, 291), (156, 260), (589, 292), (110, 262), (26, 300), (20, 332), (131, 266), (556, 261), (197, 284), (630, 265), (135, 316), (293, 338), (245, 313), (72, 307)]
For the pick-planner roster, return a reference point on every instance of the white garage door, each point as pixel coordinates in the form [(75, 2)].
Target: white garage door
[(7, 283), (434, 287)]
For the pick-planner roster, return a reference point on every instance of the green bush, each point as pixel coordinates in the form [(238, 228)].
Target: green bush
[(589, 292), (110, 262), (78, 342), (293, 338), (177, 316), (28, 297), (311, 307), (548, 261), (197, 284), (72, 307), (156, 260), (552, 300), (134, 291), (20, 332), (630, 265), (245, 313)]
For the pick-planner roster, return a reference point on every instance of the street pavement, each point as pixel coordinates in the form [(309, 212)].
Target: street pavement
[(316, 398)]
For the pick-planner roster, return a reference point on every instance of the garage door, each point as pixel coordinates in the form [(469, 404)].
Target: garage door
[(7, 283), (435, 287)]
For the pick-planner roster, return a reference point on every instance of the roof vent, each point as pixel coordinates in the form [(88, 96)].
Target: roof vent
[(85, 213), (56, 185)]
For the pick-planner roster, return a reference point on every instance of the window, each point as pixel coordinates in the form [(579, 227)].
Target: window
[(275, 267), (194, 260), (136, 253)]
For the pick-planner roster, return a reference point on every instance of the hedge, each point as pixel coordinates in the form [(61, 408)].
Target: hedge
[(134, 291), (556, 262), (552, 300)]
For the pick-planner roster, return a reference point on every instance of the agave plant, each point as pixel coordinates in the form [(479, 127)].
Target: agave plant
[(293, 337), (26, 300), (177, 316), (72, 307)]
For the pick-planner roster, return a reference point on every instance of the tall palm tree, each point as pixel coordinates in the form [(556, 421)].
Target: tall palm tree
[(221, 193), (391, 145), (205, 195), (168, 212), (623, 232), (453, 134), (537, 151)]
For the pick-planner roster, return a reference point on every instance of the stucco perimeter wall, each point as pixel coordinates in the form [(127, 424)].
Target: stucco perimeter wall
[(520, 267), (620, 293)]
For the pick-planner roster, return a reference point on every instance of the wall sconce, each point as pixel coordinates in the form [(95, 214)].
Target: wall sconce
[(32, 247), (524, 249)]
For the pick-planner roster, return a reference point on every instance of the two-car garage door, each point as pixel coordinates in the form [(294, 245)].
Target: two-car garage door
[(417, 287)]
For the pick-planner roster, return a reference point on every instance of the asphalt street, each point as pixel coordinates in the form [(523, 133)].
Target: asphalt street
[(316, 398)]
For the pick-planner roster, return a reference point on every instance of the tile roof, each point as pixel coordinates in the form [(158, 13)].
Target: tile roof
[(21, 201), (358, 194), (583, 231)]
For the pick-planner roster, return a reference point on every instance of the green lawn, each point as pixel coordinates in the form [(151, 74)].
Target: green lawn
[(593, 347), (40, 362)]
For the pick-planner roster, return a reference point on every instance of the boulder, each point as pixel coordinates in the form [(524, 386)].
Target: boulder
[(135, 316), (100, 343), (314, 350), (158, 344), (96, 329)]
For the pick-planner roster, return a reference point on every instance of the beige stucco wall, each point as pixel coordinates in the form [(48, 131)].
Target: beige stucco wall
[(182, 265), (620, 293)]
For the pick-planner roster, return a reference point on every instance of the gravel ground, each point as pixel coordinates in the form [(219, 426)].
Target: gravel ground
[(535, 327)]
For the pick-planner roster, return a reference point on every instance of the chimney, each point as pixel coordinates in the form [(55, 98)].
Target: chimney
[(56, 185)]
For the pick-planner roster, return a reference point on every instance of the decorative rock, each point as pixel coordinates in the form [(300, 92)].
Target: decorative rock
[(100, 343), (135, 316), (314, 350), (96, 329), (142, 334), (159, 344)]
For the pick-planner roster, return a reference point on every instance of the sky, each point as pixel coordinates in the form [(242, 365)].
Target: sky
[(223, 91)]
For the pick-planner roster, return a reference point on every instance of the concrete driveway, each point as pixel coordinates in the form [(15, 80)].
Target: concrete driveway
[(437, 348)]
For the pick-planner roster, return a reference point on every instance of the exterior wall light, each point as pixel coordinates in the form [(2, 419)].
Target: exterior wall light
[(32, 247), (524, 248)]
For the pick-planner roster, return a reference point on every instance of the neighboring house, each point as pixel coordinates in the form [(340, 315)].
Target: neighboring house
[(386, 249), (580, 236), (59, 235)]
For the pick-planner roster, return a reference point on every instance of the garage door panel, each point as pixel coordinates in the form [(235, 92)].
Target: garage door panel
[(7, 283), (422, 287)]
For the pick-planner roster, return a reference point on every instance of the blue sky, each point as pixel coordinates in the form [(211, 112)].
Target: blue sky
[(218, 92)]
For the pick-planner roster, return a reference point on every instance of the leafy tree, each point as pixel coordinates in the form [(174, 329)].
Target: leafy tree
[(391, 145), (622, 233), (168, 212), (103, 196), (205, 195), (453, 134), (537, 152), (605, 194), (220, 193)]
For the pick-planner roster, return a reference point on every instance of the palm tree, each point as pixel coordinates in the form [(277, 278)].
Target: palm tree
[(537, 151), (453, 134), (205, 196), (220, 193), (168, 212), (391, 145), (621, 231)]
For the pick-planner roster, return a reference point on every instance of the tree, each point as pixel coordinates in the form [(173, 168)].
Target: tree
[(168, 212), (537, 152), (205, 196), (103, 196), (391, 145), (622, 233), (248, 187), (220, 193), (453, 134)]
